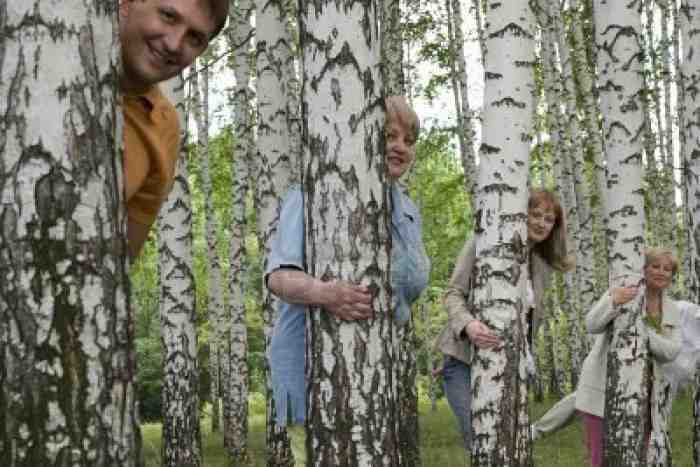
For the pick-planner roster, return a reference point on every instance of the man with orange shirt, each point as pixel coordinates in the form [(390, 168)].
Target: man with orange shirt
[(159, 38)]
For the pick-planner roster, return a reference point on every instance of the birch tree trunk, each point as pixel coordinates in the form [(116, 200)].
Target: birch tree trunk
[(499, 380), (182, 444), (405, 374), (690, 77), (236, 426), (618, 28), (392, 48), (465, 127), (588, 95), (217, 353), (66, 327), (275, 162), (351, 399)]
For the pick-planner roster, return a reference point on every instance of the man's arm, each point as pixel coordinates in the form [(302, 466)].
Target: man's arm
[(136, 236)]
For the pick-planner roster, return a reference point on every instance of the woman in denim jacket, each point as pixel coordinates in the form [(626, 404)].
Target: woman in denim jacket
[(546, 230), (287, 279)]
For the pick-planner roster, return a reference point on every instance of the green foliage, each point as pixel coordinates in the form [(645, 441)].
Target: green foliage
[(145, 282), (437, 187)]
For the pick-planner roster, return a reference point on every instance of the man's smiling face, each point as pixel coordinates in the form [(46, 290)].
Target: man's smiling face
[(159, 38)]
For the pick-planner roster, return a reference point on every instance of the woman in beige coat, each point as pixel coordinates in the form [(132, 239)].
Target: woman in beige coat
[(547, 240), (663, 319)]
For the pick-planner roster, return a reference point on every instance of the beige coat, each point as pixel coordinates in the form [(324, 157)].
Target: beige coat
[(451, 340), (590, 394)]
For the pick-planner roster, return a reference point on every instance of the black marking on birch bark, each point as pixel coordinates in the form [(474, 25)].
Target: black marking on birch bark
[(336, 92), (524, 63), (618, 32), (344, 59), (368, 111), (488, 150), (509, 102), (491, 75), (512, 29), (610, 86), (625, 211), (617, 125), (500, 188)]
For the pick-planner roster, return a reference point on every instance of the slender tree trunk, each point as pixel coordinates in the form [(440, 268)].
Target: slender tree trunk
[(407, 399), (669, 219), (236, 393), (465, 127), (620, 85), (690, 131), (66, 326), (275, 163), (217, 351), (182, 444), (351, 366), (392, 49), (499, 407), (587, 93)]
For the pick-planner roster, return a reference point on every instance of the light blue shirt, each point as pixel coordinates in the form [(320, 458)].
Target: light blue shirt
[(409, 276)]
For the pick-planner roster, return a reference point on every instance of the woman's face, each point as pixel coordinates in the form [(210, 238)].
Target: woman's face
[(540, 222), (659, 273), (400, 149)]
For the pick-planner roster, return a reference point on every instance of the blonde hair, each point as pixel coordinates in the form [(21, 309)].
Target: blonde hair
[(552, 249), (653, 254), (398, 110)]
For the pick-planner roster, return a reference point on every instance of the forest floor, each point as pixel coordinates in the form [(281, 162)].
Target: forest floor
[(441, 444)]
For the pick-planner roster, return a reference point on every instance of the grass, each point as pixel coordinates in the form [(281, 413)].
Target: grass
[(440, 441)]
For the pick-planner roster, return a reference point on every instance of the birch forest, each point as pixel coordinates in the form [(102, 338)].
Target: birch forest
[(165, 361)]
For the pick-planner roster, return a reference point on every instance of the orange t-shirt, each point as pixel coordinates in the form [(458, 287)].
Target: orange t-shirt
[(151, 148)]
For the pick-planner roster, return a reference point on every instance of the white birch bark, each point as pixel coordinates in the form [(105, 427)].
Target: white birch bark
[(66, 326), (465, 127), (670, 219), (181, 446), (593, 140), (499, 389), (351, 403), (275, 164), (578, 213), (690, 77), (618, 31), (215, 305), (392, 48), (236, 395)]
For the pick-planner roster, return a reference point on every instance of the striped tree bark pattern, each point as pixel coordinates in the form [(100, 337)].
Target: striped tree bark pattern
[(215, 300), (618, 30), (275, 163), (182, 446), (689, 19), (236, 363), (499, 381), (66, 325), (351, 399)]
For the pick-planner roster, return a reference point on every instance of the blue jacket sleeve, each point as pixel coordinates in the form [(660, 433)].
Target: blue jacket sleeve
[(288, 245)]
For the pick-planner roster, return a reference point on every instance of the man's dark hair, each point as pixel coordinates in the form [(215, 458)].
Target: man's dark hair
[(220, 10)]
